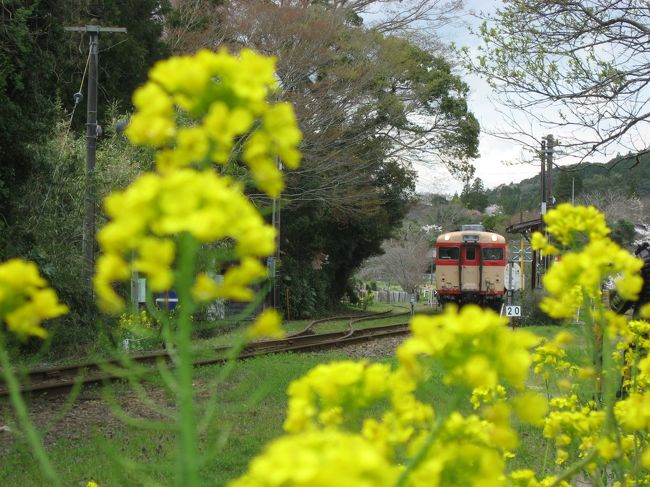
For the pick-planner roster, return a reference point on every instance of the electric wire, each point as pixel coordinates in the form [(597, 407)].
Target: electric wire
[(83, 78)]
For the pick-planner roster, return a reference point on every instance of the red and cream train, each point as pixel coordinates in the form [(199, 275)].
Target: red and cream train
[(470, 267)]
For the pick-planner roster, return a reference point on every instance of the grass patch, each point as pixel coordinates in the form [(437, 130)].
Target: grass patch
[(252, 404)]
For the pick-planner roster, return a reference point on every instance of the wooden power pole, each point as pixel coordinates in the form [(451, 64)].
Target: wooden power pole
[(88, 238)]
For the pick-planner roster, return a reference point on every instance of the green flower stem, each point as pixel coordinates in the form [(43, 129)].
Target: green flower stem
[(424, 449), (225, 371), (547, 450), (188, 454), (575, 468), (19, 406), (611, 376), (421, 454)]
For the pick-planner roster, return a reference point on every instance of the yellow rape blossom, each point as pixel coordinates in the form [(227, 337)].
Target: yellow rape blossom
[(475, 347), (487, 395), (633, 413), (25, 299), (526, 478), (267, 324), (531, 407), (539, 242), (227, 97), (146, 218), (320, 459), (463, 454), (348, 384), (567, 223), (551, 356), (586, 270), (607, 449)]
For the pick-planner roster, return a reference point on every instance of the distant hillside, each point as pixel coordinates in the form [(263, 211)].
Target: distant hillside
[(628, 175)]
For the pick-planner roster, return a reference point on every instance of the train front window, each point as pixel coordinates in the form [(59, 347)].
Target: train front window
[(470, 253), (448, 253), (492, 253)]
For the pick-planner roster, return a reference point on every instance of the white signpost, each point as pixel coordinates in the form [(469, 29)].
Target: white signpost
[(513, 311)]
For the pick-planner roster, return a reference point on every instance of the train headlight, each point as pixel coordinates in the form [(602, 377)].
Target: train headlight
[(494, 238), (446, 237)]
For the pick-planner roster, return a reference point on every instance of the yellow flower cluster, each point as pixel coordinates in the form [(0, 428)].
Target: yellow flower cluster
[(25, 299), (487, 395), (539, 242), (550, 356), (526, 478), (320, 459), (474, 346), (462, 455), (140, 320), (405, 424), (640, 334), (319, 398), (633, 413), (146, 217), (570, 225), (267, 324), (581, 272), (227, 95), (570, 425)]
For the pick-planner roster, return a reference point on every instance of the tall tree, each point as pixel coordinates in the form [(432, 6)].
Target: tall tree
[(474, 195), (580, 67), (568, 186)]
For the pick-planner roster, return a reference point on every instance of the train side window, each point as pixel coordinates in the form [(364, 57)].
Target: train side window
[(470, 253), (448, 253), (492, 253)]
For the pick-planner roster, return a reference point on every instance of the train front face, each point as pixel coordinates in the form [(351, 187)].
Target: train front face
[(470, 268)]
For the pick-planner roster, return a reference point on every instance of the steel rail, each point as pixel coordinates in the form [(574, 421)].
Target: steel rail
[(65, 377)]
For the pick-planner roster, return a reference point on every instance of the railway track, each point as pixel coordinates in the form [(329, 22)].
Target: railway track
[(62, 378)]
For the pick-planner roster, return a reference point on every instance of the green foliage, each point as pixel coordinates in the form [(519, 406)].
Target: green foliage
[(569, 185), (252, 410), (496, 223), (347, 239), (41, 66), (137, 332), (302, 291), (49, 229), (27, 90), (623, 233), (474, 195), (531, 315)]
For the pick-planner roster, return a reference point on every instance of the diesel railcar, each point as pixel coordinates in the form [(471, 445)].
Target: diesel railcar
[(470, 267)]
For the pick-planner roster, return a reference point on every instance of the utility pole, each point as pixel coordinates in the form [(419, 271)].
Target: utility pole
[(550, 145), (546, 177), (542, 176), (88, 238)]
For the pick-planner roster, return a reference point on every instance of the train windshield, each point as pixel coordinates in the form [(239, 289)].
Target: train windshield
[(492, 253), (470, 253), (448, 253)]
